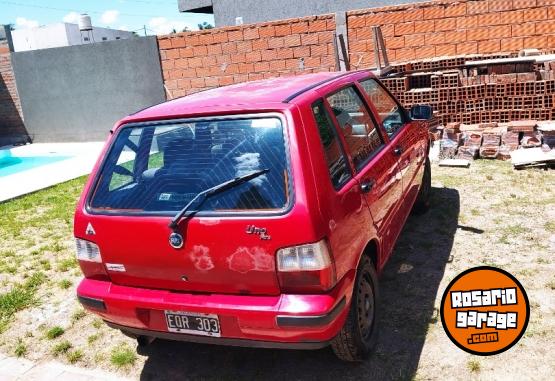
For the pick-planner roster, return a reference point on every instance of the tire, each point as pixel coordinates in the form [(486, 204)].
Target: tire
[(422, 203), (359, 334)]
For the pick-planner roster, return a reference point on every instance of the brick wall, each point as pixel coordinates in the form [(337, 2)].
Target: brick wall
[(448, 28), (217, 57), (198, 60), (12, 129)]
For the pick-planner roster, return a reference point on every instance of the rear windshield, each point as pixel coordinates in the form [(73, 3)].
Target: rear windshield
[(160, 168)]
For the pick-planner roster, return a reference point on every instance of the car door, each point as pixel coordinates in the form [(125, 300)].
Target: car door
[(375, 166), (405, 140)]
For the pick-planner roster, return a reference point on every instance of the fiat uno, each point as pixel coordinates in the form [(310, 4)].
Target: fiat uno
[(258, 214)]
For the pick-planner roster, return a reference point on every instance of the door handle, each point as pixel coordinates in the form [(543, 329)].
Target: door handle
[(366, 186), (397, 151)]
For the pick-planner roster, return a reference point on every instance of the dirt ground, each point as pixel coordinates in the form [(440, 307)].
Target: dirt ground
[(488, 214)]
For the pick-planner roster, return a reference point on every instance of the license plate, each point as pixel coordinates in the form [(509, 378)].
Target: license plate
[(193, 323)]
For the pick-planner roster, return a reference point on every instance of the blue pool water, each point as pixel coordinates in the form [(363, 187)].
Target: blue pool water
[(13, 164)]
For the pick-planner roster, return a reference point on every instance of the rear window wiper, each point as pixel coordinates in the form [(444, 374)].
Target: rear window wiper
[(215, 190)]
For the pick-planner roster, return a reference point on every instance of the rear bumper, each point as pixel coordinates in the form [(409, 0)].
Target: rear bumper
[(281, 321)]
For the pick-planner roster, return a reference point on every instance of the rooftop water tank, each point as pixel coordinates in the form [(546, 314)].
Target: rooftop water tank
[(85, 22)]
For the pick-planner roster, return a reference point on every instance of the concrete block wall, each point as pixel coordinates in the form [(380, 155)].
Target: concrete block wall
[(198, 60), (12, 129)]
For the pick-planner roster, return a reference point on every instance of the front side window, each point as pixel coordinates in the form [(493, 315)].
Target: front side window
[(161, 168), (361, 135), (337, 165), (390, 114)]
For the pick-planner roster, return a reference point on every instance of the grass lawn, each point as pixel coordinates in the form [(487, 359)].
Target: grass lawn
[(488, 214)]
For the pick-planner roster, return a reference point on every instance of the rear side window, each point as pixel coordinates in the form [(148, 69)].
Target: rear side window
[(339, 170), (391, 115), (361, 135), (161, 168)]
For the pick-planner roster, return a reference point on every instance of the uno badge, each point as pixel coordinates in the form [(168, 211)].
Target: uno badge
[(485, 311)]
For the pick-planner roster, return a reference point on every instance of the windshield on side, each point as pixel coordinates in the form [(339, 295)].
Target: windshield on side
[(160, 168)]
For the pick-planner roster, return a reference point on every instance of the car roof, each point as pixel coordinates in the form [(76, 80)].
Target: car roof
[(248, 95)]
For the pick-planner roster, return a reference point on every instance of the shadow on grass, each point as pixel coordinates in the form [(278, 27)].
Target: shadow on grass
[(409, 285)]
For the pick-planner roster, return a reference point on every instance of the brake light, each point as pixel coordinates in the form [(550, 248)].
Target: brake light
[(90, 260), (306, 268)]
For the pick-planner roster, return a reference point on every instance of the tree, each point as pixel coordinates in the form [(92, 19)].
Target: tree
[(205, 25)]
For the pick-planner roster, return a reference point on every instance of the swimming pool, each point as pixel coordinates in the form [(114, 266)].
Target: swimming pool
[(15, 164)]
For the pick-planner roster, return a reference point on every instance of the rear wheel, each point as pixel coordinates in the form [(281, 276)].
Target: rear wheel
[(422, 203), (358, 336)]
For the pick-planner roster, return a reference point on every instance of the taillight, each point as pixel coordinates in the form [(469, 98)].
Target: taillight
[(90, 260), (306, 268)]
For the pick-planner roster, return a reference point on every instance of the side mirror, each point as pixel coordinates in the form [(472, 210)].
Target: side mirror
[(421, 112)]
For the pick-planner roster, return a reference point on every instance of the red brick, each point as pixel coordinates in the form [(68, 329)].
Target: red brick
[(404, 28), (195, 62), (362, 34), (251, 33), (434, 12), (225, 80), (188, 73), (244, 46), (235, 35), (435, 38), (455, 9), (206, 38), (478, 34), (551, 41), (261, 66), (209, 60), (545, 27), (425, 52), (325, 37), (446, 50), (299, 27), (200, 51), (254, 56), (413, 14), (526, 29), (229, 47), (183, 84), (318, 50), (245, 67), (172, 53), (276, 42), (292, 40), (277, 65), (534, 14), (445, 24), (512, 44), (164, 43), (356, 21), (309, 39), (301, 51), (404, 54), (467, 48), (198, 83), (292, 64), (214, 49), (203, 71), (395, 42), (260, 44), (414, 40), (499, 31), (283, 30), (467, 22), (267, 31), (284, 53), (551, 12), (476, 7), (312, 62), (220, 37), (424, 26), (539, 42), (238, 57), (518, 4), (317, 26), (168, 64), (181, 63), (211, 82), (489, 46), (178, 42), (499, 5), (268, 54), (455, 36)]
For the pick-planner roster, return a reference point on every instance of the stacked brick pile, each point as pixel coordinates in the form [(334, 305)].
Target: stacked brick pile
[(494, 140), (458, 94)]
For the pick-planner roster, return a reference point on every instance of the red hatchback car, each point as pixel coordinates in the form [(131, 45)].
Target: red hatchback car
[(256, 214)]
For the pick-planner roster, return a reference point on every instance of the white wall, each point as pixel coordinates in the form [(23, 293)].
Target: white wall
[(61, 34)]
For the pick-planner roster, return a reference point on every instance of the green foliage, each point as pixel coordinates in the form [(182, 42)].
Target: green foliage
[(61, 347), (54, 332), (18, 298), (123, 356)]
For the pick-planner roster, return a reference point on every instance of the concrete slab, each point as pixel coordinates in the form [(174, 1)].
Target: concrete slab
[(83, 156), (13, 367)]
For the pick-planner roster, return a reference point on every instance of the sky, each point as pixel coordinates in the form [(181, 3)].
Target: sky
[(159, 16)]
